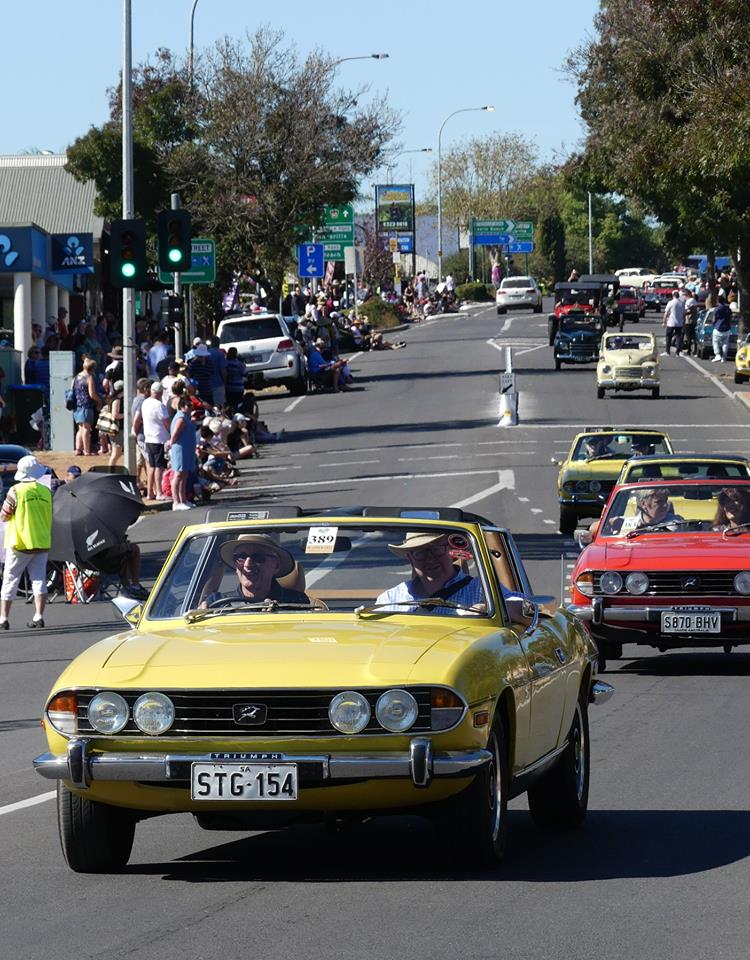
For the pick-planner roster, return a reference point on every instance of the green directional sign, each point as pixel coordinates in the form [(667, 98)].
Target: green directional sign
[(334, 216), (520, 229), (203, 263)]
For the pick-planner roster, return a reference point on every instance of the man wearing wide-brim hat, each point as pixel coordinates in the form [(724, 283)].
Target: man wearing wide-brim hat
[(434, 574), (258, 560)]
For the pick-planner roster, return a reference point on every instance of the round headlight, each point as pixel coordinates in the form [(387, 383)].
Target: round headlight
[(582, 486), (108, 712), (349, 712), (610, 582), (742, 582), (636, 583), (396, 710), (595, 486), (606, 368), (569, 486), (153, 713)]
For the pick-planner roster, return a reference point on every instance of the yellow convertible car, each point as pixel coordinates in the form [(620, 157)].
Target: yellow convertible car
[(592, 466), (331, 666)]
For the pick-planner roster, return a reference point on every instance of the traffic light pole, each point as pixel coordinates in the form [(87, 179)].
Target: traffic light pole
[(179, 347), (128, 293)]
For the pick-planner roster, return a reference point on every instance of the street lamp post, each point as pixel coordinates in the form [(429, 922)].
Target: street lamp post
[(391, 166), (190, 44), (489, 109), (364, 56)]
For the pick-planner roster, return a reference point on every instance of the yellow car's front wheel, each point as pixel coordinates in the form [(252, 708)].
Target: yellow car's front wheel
[(95, 838)]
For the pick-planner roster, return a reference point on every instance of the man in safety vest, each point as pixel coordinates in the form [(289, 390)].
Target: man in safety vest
[(28, 512)]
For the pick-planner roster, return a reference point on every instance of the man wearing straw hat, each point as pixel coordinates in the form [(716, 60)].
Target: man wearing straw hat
[(258, 560)]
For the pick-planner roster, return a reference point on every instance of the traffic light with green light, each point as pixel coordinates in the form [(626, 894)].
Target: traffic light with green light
[(127, 260), (174, 229)]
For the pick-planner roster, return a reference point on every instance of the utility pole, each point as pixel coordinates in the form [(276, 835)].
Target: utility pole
[(177, 289), (128, 293)]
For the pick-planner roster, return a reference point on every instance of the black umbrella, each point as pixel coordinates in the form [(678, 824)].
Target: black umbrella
[(92, 514)]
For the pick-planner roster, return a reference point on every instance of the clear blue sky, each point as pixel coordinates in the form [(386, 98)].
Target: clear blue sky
[(59, 59)]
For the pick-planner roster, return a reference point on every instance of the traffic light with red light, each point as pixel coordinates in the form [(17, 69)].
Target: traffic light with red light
[(127, 258), (175, 233)]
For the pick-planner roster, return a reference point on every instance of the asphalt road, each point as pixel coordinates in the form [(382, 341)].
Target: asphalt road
[(660, 868)]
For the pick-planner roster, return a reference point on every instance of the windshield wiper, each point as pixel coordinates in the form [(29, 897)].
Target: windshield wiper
[(427, 602), (736, 531), (242, 606), (649, 528)]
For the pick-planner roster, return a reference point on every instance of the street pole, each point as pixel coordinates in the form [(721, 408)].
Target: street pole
[(177, 289), (489, 109), (591, 245), (190, 45), (128, 293)]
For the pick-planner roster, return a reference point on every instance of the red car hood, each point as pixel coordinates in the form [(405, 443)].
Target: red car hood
[(704, 551)]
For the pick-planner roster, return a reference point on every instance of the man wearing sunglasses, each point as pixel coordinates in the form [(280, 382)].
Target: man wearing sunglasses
[(258, 561)]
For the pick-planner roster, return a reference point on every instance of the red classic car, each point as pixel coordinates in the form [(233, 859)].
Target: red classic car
[(668, 566), (630, 305), (577, 299)]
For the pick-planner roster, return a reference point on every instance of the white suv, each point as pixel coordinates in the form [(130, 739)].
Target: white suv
[(272, 358), (515, 292)]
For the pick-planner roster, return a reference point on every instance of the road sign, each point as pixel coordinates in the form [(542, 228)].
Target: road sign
[(507, 382), (202, 266), (311, 257), (334, 216), (521, 246), (495, 233)]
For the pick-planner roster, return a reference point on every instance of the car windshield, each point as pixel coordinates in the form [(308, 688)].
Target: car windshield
[(676, 508), (571, 323), (686, 470), (618, 445), (631, 342), (252, 328), (518, 283), (627, 293), (323, 567)]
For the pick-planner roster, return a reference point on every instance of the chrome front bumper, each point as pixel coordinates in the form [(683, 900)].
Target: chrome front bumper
[(641, 384), (597, 613), (80, 765)]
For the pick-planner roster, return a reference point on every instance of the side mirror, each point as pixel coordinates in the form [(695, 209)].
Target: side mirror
[(521, 611), (557, 463), (129, 609)]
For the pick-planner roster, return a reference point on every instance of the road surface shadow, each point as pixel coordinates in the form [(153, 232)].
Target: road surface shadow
[(612, 844), (703, 663)]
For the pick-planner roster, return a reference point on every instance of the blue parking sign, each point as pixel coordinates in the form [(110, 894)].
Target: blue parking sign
[(311, 257)]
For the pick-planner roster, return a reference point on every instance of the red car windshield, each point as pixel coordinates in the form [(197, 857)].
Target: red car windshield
[(675, 508)]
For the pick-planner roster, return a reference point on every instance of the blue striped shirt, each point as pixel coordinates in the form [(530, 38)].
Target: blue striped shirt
[(403, 592)]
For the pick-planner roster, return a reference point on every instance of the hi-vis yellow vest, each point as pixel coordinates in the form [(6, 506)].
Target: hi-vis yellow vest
[(30, 527)]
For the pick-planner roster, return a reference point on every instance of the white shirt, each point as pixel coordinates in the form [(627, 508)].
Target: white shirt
[(154, 413), (675, 312)]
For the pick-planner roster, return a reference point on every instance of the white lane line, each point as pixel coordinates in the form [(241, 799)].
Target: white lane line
[(292, 405), (506, 325), (506, 481), (343, 463), (31, 802), (520, 353), (496, 345), (587, 425), (444, 456), (375, 479), (550, 522), (354, 356), (709, 376), (524, 499), (535, 509), (496, 453)]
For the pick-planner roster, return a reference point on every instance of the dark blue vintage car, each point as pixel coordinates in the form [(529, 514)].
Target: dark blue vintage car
[(704, 330), (577, 339)]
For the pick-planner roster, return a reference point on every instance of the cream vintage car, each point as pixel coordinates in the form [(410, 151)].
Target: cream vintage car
[(349, 691), (628, 361)]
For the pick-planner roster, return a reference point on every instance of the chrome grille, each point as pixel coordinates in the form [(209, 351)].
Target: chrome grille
[(711, 583), (583, 349), (209, 713), (628, 372)]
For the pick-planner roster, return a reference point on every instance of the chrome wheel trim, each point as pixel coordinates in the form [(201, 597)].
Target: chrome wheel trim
[(579, 745), (495, 788)]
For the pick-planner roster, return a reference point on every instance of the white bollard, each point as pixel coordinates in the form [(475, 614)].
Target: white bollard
[(508, 393)]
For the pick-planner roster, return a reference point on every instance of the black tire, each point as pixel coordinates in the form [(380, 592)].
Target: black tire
[(298, 387), (539, 308), (94, 837), (502, 310), (560, 798), (600, 391), (738, 378), (552, 325), (655, 393), (568, 522), (473, 827), (558, 363)]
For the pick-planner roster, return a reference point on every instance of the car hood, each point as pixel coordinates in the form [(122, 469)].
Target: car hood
[(317, 652), (628, 357), (705, 551), (579, 336), (593, 469)]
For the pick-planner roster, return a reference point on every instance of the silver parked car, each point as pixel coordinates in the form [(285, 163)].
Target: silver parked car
[(515, 292), (272, 357)]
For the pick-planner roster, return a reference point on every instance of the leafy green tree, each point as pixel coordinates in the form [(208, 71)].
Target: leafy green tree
[(662, 89)]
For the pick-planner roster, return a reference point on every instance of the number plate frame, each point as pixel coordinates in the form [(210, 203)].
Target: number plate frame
[(691, 621), (241, 782)]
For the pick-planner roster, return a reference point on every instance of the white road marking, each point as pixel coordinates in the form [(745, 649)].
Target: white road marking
[(535, 509), (343, 463), (524, 499), (506, 481), (354, 356), (292, 405), (550, 522), (31, 802), (374, 479), (520, 353), (709, 376), (506, 325)]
